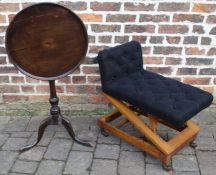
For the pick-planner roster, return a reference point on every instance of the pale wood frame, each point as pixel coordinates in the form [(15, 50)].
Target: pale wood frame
[(155, 146)]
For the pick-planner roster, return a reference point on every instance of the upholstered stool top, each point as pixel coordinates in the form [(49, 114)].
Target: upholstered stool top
[(123, 77)]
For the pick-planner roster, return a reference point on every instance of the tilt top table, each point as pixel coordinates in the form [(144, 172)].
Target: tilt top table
[(47, 42)]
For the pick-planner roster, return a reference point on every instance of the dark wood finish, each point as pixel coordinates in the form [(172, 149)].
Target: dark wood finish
[(56, 116), (68, 127), (47, 41), (154, 145), (41, 130)]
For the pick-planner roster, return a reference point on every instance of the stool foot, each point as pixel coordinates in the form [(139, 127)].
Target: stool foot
[(167, 167), (193, 144), (104, 133)]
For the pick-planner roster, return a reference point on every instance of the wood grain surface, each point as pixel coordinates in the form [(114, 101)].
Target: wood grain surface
[(46, 41)]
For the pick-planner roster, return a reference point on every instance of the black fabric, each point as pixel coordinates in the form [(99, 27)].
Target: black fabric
[(123, 77)]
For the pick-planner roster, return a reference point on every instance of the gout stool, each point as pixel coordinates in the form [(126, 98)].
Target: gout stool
[(136, 92)]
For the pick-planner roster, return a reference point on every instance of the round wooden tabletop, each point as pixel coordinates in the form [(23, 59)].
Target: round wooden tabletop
[(46, 41)]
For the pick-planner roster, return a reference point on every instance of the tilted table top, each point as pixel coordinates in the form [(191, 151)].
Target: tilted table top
[(46, 41)]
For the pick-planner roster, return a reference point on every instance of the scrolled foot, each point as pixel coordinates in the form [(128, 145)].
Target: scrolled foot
[(193, 144), (26, 148), (83, 142), (68, 127), (104, 133), (167, 167), (41, 130)]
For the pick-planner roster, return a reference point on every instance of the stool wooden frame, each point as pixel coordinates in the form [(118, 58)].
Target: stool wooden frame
[(155, 146)]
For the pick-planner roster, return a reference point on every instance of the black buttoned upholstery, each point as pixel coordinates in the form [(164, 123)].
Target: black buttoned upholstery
[(123, 77)]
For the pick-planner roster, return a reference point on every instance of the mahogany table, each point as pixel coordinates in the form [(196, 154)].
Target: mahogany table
[(47, 42)]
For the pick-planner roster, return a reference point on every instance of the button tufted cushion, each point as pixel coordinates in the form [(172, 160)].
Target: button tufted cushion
[(123, 77)]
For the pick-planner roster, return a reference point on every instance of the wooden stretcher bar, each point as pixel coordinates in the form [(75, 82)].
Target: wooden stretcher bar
[(155, 145)]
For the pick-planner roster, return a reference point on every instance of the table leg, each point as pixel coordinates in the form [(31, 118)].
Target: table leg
[(41, 130), (66, 123)]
